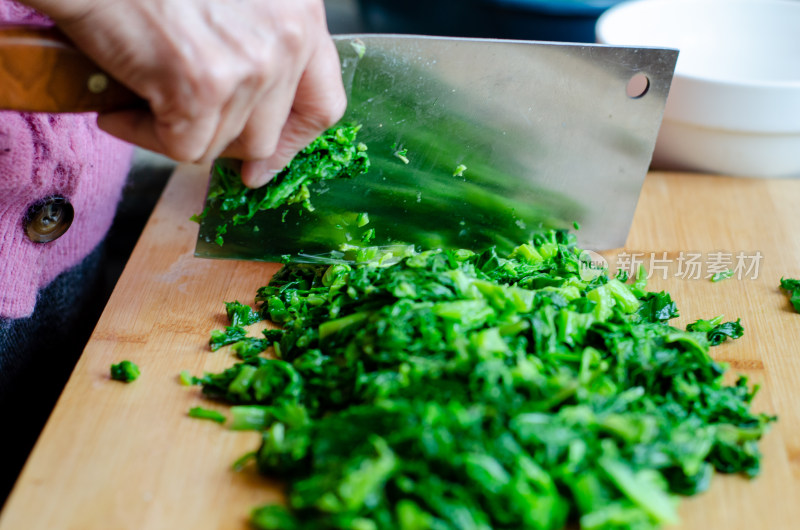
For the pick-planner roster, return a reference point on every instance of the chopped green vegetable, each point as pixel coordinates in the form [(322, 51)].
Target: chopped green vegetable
[(792, 286), (717, 331), (723, 275), (186, 378), (240, 314), (455, 389), (250, 417), (206, 414), (221, 230), (640, 281), (401, 153), (362, 219), (334, 154), (576, 225), (230, 335), (198, 217), (125, 371), (259, 417), (459, 172), (368, 236), (359, 46), (249, 347)]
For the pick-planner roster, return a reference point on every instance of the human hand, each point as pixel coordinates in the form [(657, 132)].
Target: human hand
[(253, 80)]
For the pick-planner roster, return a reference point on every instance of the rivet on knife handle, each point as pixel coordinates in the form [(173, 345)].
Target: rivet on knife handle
[(41, 71), (97, 83)]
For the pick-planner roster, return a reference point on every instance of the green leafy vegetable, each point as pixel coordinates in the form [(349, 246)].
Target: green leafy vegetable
[(243, 346), (401, 153), (717, 331), (125, 371), (455, 389), (240, 314), (723, 275), (359, 46), (229, 335), (186, 378), (206, 414), (334, 154), (792, 286), (198, 217), (249, 347), (368, 235)]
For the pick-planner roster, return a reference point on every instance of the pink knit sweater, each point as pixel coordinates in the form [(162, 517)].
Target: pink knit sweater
[(41, 156)]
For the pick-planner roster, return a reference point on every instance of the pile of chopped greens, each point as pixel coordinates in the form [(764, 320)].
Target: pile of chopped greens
[(334, 154), (462, 390)]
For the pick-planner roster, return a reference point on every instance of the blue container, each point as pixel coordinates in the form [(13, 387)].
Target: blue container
[(554, 20)]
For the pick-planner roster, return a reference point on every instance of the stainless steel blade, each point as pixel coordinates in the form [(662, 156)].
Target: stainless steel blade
[(547, 132)]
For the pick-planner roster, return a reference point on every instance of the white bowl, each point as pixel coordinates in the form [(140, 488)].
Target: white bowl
[(734, 104)]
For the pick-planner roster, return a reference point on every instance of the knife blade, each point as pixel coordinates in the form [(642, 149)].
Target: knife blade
[(550, 134), (41, 71), (547, 132)]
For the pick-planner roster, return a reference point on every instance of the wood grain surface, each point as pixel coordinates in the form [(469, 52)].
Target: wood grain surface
[(119, 456)]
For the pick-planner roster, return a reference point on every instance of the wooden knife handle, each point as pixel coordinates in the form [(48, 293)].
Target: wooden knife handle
[(41, 71)]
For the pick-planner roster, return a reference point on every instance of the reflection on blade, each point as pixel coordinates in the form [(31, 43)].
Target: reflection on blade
[(475, 143)]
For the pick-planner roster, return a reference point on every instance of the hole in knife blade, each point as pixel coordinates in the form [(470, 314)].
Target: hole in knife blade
[(638, 85)]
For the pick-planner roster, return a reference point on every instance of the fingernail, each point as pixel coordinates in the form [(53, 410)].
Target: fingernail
[(259, 179)]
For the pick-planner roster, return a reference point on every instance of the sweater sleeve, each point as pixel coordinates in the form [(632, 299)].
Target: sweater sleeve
[(43, 157)]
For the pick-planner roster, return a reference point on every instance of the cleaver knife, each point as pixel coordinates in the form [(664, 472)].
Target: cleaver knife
[(500, 140), (473, 143)]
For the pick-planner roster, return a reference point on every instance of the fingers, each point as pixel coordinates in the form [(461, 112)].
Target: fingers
[(233, 118), (257, 109), (256, 80), (260, 135), (319, 102), (193, 113), (179, 140), (256, 173)]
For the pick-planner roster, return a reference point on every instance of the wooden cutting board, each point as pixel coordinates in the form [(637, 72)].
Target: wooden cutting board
[(119, 456)]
